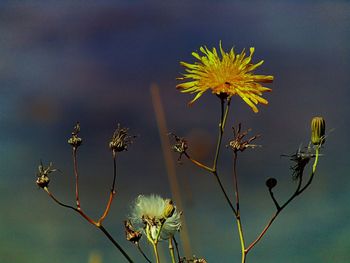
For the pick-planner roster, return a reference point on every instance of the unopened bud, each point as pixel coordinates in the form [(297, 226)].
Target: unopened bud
[(168, 209), (318, 127), (271, 182)]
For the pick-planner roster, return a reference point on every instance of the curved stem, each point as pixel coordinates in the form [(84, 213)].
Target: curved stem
[(96, 224), (177, 250), (113, 192), (199, 164), (298, 191)]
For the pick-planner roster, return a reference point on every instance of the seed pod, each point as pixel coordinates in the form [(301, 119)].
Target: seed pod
[(318, 127), (271, 182)]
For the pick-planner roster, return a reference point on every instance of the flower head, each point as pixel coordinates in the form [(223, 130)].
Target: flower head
[(157, 214), (229, 74)]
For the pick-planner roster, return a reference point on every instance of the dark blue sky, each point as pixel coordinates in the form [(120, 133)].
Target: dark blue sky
[(95, 62)]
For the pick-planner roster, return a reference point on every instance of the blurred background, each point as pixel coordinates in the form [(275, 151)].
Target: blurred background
[(94, 62)]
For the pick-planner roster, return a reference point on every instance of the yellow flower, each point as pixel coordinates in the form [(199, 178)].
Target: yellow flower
[(231, 74)]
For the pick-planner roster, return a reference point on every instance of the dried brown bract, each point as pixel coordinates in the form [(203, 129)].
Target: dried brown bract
[(180, 146), (131, 234), (43, 175), (238, 144), (121, 139), (75, 141)]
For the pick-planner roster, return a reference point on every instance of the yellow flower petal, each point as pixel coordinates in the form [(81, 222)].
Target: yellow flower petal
[(225, 72)]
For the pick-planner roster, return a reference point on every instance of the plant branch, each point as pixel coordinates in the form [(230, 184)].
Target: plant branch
[(298, 191)]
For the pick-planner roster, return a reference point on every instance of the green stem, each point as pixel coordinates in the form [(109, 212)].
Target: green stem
[(224, 114), (223, 118), (155, 250), (171, 249), (238, 216)]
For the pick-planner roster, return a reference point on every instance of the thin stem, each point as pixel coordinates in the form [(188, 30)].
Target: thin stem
[(113, 192), (171, 249), (238, 216), (78, 210), (114, 170), (225, 194), (298, 191), (235, 180), (274, 199), (177, 250), (115, 243), (108, 207), (241, 237), (199, 164), (57, 201), (222, 124), (155, 250), (143, 254), (213, 170), (96, 224), (76, 176), (223, 118)]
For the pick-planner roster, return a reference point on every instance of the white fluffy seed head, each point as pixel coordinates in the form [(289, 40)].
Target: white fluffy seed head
[(153, 207)]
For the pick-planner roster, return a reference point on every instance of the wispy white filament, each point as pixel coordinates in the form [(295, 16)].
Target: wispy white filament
[(153, 207)]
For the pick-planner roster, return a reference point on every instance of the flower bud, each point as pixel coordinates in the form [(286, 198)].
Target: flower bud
[(168, 209), (318, 127), (271, 182)]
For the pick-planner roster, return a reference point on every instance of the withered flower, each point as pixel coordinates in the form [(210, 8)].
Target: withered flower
[(301, 158), (237, 144), (131, 234), (121, 139), (180, 145), (75, 141), (43, 175)]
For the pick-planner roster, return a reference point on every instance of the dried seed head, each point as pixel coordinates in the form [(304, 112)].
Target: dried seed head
[(301, 158), (75, 141), (131, 234), (120, 139), (318, 127), (180, 146), (43, 179), (238, 144)]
